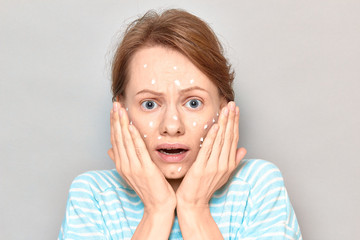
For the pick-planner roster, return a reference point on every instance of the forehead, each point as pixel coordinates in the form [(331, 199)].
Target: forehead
[(158, 67)]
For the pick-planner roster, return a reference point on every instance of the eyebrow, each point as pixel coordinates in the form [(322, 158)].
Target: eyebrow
[(182, 91)]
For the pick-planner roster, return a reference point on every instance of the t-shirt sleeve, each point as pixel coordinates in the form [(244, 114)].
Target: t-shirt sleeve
[(269, 213), (83, 217)]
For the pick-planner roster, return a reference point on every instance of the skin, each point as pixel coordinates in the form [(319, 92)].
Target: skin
[(159, 184)]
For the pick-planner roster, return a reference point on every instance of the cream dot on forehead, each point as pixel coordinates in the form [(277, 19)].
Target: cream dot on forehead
[(177, 82), (153, 81), (175, 67), (191, 81), (145, 65)]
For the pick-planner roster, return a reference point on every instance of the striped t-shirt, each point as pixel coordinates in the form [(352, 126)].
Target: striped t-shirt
[(253, 204)]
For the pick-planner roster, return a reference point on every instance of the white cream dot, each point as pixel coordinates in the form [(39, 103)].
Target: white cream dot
[(217, 114), (205, 127), (130, 122), (213, 120), (194, 124), (201, 139), (151, 124), (145, 65), (153, 81), (200, 145), (177, 82), (145, 135), (179, 169), (175, 117), (175, 67), (191, 81), (127, 109), (159, 137)]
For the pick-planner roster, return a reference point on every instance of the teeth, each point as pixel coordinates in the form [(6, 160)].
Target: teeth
[(172, 151)]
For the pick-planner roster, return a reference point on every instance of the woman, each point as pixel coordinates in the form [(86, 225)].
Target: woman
[(174, 135)]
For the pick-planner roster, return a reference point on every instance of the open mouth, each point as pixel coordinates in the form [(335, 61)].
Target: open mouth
[(172, 151)]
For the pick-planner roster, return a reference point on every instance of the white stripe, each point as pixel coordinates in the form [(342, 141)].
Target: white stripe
[(81, 190), (102, 178), (275, 190), (264, 204), (257, 172), (273, 209), (232, 203), (267, 185), (259, 181), (78, 199), (250, 169), (81, 225), (101, 173), (84, 216), (73, 207), (95, 180), (267, 220), (87, 234)]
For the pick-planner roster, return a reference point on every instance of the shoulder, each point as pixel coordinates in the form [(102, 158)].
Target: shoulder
[(99, 181), (257, 172)]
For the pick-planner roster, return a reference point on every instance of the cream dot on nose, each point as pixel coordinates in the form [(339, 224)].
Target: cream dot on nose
[(153, 81), (175, 117)]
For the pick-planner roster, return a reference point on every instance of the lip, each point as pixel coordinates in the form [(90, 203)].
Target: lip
[(173, 158)]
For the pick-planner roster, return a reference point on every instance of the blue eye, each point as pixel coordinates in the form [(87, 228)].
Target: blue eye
[(149, 105), (193, 103)]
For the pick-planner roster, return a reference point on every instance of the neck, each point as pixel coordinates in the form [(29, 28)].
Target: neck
[(175, 183)]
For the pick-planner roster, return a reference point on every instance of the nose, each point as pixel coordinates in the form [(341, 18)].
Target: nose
[(171, 123)]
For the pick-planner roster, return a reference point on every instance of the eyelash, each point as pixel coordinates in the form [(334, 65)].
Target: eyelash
[(156, 105)]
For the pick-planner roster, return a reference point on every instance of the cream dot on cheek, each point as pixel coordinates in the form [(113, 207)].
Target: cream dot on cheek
[(205, 127), (213, 120), (201, 139), (194, 124), (145, 135), (145, 65), (177, 82), (175, 67), (151, 124), (159, 137)]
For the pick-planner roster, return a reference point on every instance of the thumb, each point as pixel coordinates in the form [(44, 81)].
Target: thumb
[(111, 154), (240, 154)]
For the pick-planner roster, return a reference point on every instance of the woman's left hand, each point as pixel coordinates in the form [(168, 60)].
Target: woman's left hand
[(216, 161)]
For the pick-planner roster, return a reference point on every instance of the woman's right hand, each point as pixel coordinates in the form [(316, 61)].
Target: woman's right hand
[(134, 164)]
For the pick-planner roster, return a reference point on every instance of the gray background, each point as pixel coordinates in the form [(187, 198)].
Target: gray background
[(297, 85)]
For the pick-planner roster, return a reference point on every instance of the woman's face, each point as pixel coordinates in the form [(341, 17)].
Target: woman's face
[(172, 104)]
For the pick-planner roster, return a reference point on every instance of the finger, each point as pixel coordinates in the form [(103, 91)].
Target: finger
[(232, 157), (240, 154), (219, 140), (223, 163), (140, 147), (127, 140), (119, 149), (110, 152), (207, 146)]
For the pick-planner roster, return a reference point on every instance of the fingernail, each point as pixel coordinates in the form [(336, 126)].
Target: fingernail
[(225, 111), (232, 106)]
